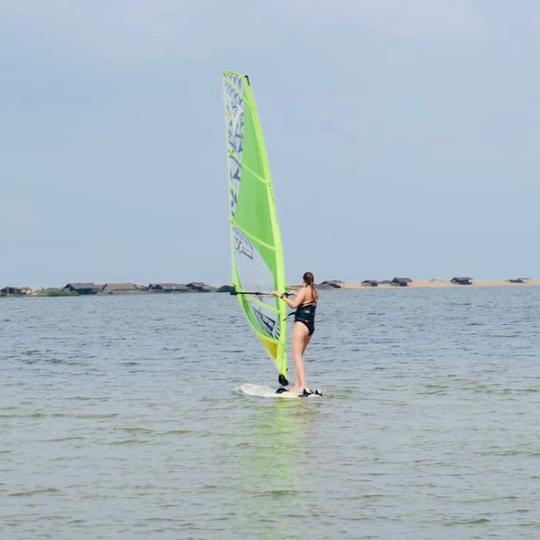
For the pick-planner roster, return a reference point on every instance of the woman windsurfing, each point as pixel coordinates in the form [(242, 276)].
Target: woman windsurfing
[(305, 305)]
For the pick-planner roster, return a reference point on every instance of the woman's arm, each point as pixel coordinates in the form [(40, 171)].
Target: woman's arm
[(300, 297)]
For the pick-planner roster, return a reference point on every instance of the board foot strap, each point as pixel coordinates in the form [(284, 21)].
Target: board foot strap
[(307, 392)]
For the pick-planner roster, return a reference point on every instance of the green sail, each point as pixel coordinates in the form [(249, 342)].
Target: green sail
[(257, 252)]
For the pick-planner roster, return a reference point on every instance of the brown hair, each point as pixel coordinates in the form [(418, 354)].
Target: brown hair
[(309, 280)]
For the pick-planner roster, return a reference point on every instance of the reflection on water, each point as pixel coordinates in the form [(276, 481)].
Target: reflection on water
[(271, 466)]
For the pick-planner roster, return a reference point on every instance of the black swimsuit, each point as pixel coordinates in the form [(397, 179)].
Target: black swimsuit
[(305, 313)]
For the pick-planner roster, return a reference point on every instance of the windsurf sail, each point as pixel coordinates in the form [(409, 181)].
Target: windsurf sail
[(257, 252)]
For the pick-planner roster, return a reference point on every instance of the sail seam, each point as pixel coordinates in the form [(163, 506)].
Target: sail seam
[(251, 236), (244, 166), (262, 304)]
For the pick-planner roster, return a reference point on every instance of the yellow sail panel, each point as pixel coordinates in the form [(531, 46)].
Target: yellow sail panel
[(271, 346)]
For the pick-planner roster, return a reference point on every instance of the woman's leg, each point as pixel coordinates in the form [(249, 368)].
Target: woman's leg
[(307, 339), (295, 375), (299, 343)]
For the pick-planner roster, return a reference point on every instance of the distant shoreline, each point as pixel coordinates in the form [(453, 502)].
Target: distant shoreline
[(130, 289), (444, 284)]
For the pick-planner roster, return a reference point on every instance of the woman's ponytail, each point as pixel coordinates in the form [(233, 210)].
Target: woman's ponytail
[(309, 280)]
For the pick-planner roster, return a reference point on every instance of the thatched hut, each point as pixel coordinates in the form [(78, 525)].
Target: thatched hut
[(10, 291), (119, 288), (82, 288), (401, 281), (331, 284), (199, 286), (461, 280), (168, 287)]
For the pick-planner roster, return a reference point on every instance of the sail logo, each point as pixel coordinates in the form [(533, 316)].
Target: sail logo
[(268, 324), (242, 245), (234, 182), (234, 107), (234, 112), (235, 129)]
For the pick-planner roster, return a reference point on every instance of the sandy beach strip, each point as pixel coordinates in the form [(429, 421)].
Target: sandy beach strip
[(445, 284)]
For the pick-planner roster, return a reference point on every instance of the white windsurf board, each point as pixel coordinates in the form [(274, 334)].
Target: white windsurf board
[(258, 390)]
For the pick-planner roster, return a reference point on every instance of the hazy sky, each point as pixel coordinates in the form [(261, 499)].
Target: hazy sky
[(403, 137)]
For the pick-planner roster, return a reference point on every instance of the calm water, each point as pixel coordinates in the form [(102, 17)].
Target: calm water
[(119, 419)]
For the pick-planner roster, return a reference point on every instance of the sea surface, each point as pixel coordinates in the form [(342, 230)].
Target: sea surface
[(120, 418)]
